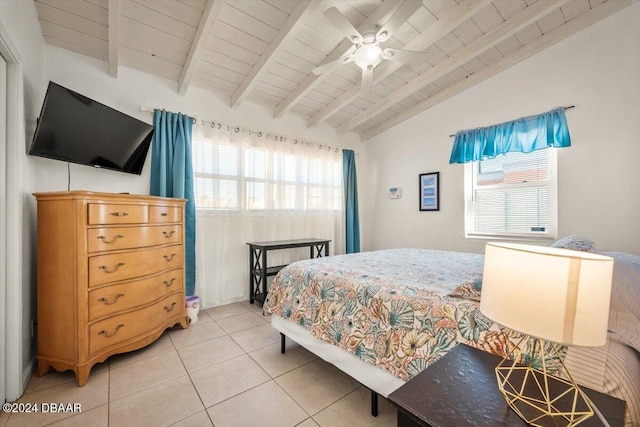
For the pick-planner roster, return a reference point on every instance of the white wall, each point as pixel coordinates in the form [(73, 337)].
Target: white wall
[(20, 20), (132, 89), (598, 71)]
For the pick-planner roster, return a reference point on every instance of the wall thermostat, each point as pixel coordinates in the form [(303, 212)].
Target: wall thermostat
[(395, 192)]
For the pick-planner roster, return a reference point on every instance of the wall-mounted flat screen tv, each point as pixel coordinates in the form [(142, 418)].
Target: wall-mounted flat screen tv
[(77, 129)]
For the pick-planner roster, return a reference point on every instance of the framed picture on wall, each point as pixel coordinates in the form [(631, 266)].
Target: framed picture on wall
[(430, 191)]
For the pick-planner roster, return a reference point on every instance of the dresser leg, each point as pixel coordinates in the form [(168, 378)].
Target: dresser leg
[(43, 368), (184, 323), (82, 374)]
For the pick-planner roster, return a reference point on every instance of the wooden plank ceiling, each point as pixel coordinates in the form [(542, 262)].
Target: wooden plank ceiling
[(264, 51)]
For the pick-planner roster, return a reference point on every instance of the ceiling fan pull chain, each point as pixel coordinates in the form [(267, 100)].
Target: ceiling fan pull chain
[(367, 76)]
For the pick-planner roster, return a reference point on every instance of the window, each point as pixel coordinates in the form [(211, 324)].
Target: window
[(512, 195), (258, 175)]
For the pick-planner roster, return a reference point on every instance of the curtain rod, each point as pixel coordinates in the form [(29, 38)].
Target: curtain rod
[(276, 137), (143, 109), (566, 108)]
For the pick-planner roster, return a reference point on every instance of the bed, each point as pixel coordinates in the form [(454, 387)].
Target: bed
[(384, 316)]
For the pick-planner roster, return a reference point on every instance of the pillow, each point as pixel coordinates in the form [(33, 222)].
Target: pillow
[(574, 243), (624, 313)]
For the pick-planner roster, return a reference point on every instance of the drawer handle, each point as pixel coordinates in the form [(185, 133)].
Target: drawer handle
[(104, 239), (169, 257), (106, 269), (109, 335), (170, 308), (115, 300), (168, 234), (163, 214), (168, 283), (118, 214)]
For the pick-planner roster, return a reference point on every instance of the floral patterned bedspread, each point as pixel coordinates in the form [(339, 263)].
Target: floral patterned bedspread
[(399, 309)]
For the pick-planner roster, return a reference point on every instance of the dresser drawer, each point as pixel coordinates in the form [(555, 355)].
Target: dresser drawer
[(165, 214), (129, 265), (117, 329), (102, 213), (124, 296), (111, 238)]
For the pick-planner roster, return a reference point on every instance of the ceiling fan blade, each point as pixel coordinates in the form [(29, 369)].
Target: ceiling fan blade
[(407, 56), (334, 16), (404, 12), (329, 66)]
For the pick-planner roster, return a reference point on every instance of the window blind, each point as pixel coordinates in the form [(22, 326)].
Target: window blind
[(512, 195)]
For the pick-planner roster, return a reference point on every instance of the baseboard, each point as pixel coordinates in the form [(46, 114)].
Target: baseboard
[(27, 373)]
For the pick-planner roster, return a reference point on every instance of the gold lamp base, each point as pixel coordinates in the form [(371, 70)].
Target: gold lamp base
[(539, 398)]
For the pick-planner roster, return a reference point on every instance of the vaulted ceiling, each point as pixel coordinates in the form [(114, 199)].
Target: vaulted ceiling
[(264, 51)]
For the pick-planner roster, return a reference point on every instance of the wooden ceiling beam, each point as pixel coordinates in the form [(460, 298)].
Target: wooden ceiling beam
[(444, 25), (498, 34), (114, 32), (382, 13), (209, 15), (288, 29), (575, 25)]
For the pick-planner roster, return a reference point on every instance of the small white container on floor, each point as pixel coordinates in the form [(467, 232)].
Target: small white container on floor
[(193, 307)]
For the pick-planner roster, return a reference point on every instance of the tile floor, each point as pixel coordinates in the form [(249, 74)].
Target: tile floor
[(225, 370)]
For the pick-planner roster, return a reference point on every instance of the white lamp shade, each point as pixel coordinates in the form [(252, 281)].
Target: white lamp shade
[(553, 294)]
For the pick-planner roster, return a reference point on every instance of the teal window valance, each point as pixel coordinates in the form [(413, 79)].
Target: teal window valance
[(525, 135)]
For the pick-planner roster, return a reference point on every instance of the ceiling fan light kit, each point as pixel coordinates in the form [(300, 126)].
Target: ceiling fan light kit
[(368, 56), (366, 52)]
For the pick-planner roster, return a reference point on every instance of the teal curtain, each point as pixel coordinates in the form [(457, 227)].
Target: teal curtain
[(352, 223), (172, 176), (525, 135)]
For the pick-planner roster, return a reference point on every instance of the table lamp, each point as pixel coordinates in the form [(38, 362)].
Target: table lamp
[(557, 295)]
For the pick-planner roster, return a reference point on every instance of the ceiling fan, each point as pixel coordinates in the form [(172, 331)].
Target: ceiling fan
[(366, 52)]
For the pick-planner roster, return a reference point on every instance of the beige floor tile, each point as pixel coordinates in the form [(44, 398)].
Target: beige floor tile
[(135, 377), (275, 364), (257, 337), (256, 307), (4, 417), (226, 379), (203, 317), (98, 417), (199, 356), (151, 387), (50, 379), (54, 378), (316, 385), (160, 346), (239, 322), (226, 310), (354, 410), (195, 334), (161, 405), (95, 393), (265, 406), (265, 316), (201, 419)]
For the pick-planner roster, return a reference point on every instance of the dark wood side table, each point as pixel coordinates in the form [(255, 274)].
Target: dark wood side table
[(259, 269), (460, 389)]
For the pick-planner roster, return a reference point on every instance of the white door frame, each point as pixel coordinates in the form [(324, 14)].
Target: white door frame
[(3, 216), (12, 211)]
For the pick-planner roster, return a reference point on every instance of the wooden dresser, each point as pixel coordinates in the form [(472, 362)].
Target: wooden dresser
[(110, 276)]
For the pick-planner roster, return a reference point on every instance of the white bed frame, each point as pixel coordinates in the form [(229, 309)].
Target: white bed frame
[(372, 377)]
